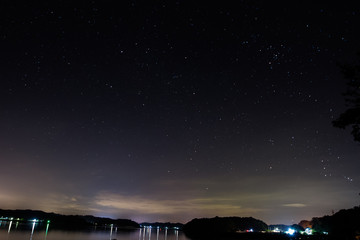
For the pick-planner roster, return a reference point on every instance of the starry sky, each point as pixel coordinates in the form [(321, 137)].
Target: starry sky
[(172, 110)]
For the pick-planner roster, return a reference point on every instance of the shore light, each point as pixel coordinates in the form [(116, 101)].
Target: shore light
[(290, 231)]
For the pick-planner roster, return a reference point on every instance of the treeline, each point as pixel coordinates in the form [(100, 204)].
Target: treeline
[(220, 226), (345, 224), (59, 221)]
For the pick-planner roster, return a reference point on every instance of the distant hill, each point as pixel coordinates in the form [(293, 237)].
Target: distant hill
[(59, 221), (221, 225), (344, 223)]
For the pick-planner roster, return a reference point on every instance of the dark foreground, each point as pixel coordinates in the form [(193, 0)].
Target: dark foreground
[(262, 236)]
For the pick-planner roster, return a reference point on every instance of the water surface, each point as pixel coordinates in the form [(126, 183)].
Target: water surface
[(12, 230)]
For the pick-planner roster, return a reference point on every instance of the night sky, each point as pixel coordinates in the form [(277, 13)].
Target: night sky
[(171, 110)]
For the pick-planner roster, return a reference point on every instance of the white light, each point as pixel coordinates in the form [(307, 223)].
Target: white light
[(308, 231), (290, 231)]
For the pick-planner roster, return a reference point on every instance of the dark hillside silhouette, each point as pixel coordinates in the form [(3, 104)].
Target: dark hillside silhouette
[(221, 225), (59, 221), (344, 224)]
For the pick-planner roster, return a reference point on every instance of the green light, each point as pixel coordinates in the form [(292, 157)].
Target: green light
[(48, 221)]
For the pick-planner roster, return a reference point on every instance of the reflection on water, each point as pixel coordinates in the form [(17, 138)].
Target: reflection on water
[(47, 229), (161, 234), (34, 230), (10, 226), (145, 234)]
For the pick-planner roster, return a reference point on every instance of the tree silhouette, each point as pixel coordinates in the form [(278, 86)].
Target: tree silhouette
[(351, 117)]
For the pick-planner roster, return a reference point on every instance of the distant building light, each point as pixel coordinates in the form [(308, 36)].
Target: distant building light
[(290, 231), (276, 230), (308, 231)]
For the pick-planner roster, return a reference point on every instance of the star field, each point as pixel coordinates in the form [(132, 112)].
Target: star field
[(169, 111)]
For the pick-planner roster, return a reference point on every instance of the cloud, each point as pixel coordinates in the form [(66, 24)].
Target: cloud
[(147, 205), (295, 205), (191, 207)]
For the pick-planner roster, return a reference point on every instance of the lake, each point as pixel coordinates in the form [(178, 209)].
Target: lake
[(13, 230)]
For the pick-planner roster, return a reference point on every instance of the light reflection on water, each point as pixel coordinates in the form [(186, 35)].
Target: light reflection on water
[(161, 234), (31, 231)]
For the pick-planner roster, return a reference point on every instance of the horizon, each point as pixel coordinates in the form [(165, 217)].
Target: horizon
[(177, 110), (171, 222)]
